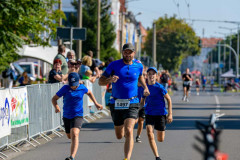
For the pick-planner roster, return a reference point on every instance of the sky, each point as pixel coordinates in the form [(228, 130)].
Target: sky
[(220, 10)]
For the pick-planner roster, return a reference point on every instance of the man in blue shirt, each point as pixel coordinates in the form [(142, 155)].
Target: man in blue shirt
[(124, 75), (73, 109), (155, 110)]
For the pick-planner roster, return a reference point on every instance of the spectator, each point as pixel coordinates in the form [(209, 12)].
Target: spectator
[(24, 80), (70, 55), (93, 67), (55, 75), (164, 79), (88, 76), (61, 56), (73, 65), (86, 63)]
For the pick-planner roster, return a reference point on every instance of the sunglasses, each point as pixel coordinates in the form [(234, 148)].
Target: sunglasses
[(78, 63)]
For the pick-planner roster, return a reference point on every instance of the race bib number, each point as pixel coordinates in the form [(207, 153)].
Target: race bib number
[(122, 104)]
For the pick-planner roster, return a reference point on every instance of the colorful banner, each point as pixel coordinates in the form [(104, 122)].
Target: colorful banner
[(5, 112), (19, 107)]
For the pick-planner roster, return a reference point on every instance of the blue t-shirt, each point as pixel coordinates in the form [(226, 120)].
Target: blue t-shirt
[(72, 100), (155, 104), (126, 86), (140, 93)]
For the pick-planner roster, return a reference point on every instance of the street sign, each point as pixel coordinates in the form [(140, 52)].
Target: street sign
[(221, 65), (65, 33), (71, 33)]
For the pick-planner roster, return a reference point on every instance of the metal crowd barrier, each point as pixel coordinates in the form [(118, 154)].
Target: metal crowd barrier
[(42, 116)]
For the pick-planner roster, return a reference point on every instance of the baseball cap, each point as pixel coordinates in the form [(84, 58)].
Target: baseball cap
[(152, 68), (128, 46), (73, 79)]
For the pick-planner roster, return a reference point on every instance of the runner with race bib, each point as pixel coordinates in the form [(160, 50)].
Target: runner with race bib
[(186, 77), (124, 74)]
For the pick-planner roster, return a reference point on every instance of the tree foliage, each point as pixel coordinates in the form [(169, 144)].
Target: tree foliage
[(89, 21), (175, 41), (213, 55), (23, 22)]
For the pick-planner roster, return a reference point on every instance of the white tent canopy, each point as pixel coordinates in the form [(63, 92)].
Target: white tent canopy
[(46, 54), (228, 74)]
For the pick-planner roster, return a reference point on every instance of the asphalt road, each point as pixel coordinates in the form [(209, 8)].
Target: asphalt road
[(98, 142)]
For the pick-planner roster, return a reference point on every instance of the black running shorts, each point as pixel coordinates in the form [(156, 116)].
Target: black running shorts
[(141, 113), (118, 116), (76, 122), (159, 122)]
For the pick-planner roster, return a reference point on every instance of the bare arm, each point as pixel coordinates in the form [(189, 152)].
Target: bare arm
[(103, 81), (169, 117), (91, 96), (143, 84), (97, 72), (58, 77), (55, 105)]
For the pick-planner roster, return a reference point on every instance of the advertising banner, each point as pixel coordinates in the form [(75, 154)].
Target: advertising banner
[(5, 112), (19, 107)]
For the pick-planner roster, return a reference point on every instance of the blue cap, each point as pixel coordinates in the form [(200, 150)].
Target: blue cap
[(73, 79), (152, 68)]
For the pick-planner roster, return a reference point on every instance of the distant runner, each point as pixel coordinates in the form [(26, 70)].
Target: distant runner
[(155, 110), (73, 109), (186, 77)]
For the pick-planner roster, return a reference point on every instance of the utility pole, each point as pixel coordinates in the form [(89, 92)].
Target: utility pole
[(79, 24), (98, 29), (238, 48), (219, 68), (121, 32), (154, 45), (60, 20)]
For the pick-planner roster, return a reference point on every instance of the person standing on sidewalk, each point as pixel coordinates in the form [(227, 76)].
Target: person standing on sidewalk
[(124, 74), (155, 110), (61, 56), (73, 109)]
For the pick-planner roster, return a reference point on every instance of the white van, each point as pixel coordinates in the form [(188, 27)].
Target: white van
[(32, 69)]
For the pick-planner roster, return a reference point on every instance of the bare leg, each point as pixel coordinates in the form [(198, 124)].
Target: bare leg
[(75, 140), (151, 140), (140, 126), (160, 136), (119, 131), (128, 146)]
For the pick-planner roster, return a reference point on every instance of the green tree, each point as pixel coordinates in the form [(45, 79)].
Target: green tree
[(23, 22), (175, 41), (107, 35)]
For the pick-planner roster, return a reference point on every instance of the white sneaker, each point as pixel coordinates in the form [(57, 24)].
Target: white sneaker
[(184, 98), (197, 93), (187, 100)]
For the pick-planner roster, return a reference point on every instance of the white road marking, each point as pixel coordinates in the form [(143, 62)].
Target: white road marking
[(218, 114)]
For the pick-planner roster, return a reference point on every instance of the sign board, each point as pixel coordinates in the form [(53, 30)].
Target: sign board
[(77, 33)]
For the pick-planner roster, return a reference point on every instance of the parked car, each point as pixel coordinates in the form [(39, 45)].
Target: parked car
[(32, 70)]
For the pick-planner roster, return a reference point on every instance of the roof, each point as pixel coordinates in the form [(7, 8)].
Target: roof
[(46, 54), (210, 42), (228, 74)]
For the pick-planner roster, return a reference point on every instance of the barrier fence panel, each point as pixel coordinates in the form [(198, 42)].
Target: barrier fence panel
[(18, 134), (99, 93), (35, 111), (60, 103), (47, 110), (3, 141), (55, 116)]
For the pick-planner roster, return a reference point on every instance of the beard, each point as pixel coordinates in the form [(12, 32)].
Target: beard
[(127, 59)]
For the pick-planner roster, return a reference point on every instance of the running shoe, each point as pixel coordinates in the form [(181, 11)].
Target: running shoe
[(187, 100), (138, 140), (184, 98), (158, 158), (197, 93), (69, 158)]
